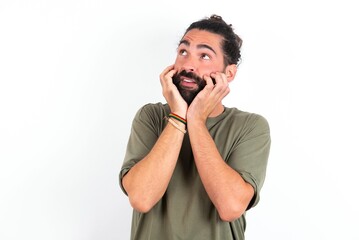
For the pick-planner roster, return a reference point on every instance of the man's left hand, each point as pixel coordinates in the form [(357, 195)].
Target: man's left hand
[(208, 99)]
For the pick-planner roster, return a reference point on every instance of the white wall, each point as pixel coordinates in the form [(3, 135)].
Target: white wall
[(73, 73)]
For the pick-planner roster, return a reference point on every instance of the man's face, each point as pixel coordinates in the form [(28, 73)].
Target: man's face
[(199, 53)]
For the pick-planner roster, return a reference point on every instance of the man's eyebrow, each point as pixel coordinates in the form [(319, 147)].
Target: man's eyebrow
[(185, 42), (206, 46)]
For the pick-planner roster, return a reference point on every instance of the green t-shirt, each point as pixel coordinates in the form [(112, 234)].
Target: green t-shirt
[(185, 211)]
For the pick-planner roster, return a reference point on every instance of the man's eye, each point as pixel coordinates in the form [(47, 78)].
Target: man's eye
[(182, 52), (205, 57)]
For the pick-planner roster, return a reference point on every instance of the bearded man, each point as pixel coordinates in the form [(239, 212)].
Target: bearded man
[(193, 166)]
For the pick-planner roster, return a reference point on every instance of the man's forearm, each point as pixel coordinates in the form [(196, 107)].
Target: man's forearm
[(226, 188), (147, 181)]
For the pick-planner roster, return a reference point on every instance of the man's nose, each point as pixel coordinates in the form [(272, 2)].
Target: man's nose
[(190, 64)]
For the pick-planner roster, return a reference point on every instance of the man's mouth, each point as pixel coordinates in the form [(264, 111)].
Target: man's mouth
[(188, 82)]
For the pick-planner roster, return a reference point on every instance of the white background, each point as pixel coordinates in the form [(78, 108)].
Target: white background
[(73, 74)]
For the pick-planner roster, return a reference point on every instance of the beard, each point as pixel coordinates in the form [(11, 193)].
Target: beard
[(188, 94)]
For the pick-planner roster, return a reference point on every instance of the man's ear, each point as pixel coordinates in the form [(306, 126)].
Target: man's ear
[(230, 72)]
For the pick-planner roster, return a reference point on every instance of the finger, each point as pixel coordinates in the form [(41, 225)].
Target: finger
[(221, 81), (167, 79), (167, 74), (221, 88), (218, 77), (171, 73), (209, 81), (166, 70)]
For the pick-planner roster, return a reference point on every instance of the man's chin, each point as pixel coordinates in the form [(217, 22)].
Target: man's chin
[(189, 90), (188, 96)]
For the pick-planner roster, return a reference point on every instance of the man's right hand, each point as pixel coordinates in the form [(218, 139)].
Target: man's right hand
[(173, 97)]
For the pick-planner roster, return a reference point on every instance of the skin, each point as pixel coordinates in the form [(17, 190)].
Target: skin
[(199, 52)]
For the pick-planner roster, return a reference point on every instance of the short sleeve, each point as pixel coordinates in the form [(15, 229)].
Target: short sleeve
[(147, 125), (250, 154)]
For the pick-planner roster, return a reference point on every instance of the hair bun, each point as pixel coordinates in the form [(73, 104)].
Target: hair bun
[(216, 17)]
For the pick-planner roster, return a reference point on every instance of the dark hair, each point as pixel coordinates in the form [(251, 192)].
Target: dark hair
[(231, 44)]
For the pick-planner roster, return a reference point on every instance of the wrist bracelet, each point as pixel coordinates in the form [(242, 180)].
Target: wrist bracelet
[(176, 125), (177, 117)]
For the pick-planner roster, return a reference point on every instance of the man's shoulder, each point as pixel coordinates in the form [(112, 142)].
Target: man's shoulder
[(159, 106), (150, 110), (248, 118)]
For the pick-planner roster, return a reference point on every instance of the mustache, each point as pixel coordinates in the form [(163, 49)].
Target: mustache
[(191, 75)]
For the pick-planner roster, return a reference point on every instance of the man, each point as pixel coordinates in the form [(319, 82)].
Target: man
[(193, 167)]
